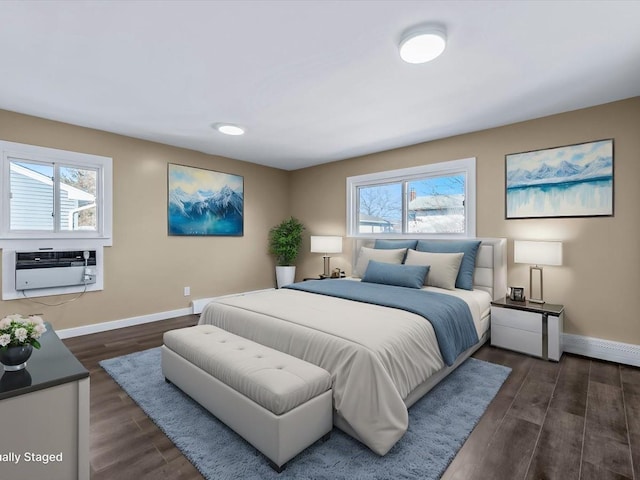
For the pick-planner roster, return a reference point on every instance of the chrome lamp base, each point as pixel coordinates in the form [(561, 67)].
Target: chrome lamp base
[(532, 299), (327, 266)]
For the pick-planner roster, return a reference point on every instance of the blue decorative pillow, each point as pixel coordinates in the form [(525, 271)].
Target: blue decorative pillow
[(391, 244), (464, 279), (411, 276)]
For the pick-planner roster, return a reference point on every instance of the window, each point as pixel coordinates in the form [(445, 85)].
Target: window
[(52, 200), (432, 200), (51, 193)]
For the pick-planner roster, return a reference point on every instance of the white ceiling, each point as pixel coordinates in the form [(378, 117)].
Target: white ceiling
[(312, 81)]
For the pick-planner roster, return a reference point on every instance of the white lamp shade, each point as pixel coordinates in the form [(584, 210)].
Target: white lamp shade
[(537, 253), (326, 244)]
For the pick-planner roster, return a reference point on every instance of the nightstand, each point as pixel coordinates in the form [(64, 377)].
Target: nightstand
[(531, 328)]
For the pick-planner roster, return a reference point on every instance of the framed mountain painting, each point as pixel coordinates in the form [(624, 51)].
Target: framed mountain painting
[(569, 181), (204, 202)]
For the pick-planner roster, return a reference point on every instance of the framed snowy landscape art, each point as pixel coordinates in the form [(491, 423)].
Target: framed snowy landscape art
[(204, 202), (569, 181)]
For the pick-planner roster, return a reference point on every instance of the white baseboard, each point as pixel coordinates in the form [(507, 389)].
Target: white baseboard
[(125, 322), (196, 308), (625, 353), (199, 304)]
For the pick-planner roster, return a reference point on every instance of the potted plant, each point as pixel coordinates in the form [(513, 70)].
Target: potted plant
[(284, 244)]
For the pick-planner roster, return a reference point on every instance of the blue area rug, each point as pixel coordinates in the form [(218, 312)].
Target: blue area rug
[(439, 423)]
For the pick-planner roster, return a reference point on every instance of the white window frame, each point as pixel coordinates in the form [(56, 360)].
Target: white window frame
[(466, 166), (13, 241), (32, 153)]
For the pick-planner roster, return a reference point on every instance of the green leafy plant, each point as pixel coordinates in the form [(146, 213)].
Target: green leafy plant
[(285, 240), (18, 331)]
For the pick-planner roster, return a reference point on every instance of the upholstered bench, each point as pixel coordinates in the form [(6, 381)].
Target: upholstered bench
[(278, 403)]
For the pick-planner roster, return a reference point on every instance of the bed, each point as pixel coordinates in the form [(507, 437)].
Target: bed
[(381, 359)]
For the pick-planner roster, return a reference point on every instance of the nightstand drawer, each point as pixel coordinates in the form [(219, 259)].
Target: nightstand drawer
[(515, 339), (518, 319)]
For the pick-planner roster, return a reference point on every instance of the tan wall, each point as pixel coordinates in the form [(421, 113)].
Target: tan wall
[(600, 281), (145, 269)]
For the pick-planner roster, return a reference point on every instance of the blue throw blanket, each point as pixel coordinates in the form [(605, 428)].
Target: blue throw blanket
[(450, 316)]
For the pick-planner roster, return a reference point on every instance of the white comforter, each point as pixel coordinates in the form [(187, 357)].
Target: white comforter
[(376, 355)]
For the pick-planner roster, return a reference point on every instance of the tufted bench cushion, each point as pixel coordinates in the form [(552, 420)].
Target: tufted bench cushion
[(278, 403), (275, 380)]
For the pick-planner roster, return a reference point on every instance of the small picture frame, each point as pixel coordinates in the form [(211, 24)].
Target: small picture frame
[(517, 294)]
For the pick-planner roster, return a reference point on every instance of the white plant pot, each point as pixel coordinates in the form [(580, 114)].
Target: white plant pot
[(285, 276)]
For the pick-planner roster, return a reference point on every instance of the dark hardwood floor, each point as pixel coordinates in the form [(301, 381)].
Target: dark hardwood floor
[(576, 419), (125, 444)]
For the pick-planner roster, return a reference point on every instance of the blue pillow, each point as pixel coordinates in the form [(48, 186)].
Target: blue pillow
[(391, 244), (464, 279), (411, 276)]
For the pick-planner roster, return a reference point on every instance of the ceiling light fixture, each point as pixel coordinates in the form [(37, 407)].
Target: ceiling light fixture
[(229, 128), (423, 44)]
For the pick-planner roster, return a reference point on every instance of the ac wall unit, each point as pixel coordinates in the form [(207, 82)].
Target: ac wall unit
[(55, 269)]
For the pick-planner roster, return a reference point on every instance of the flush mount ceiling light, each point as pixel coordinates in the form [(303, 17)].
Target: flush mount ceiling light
[(229, 128), (423, 44)]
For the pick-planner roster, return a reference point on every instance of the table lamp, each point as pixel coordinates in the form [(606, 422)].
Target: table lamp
[(537, 253), (326, 245)]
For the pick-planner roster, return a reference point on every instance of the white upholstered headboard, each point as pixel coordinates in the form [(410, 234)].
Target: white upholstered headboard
[(490, 273)]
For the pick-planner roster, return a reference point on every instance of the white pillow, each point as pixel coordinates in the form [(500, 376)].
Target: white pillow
[(395, 255), (444, 267)]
